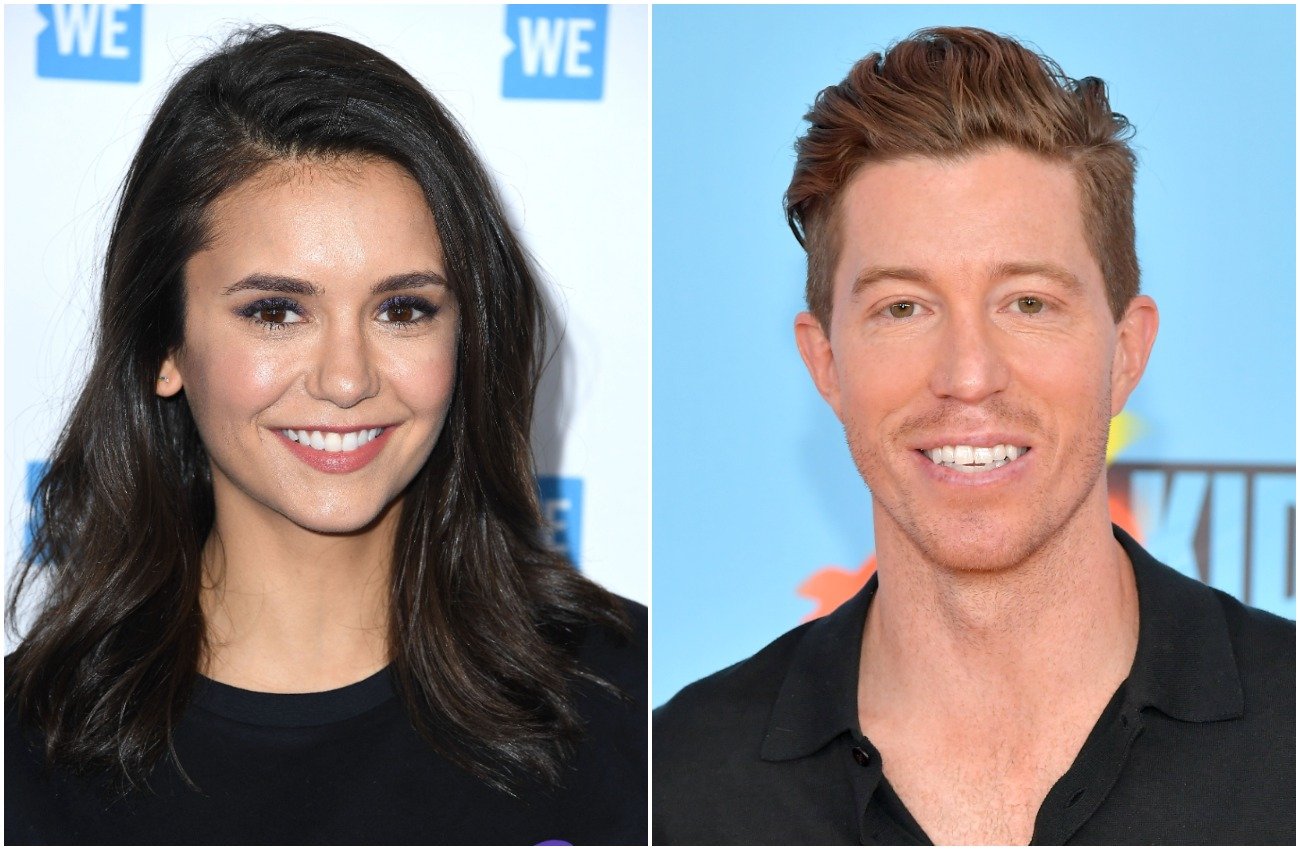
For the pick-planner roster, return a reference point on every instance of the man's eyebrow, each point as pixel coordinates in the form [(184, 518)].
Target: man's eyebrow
[(1060, 274), (875, 274), (297, 286)]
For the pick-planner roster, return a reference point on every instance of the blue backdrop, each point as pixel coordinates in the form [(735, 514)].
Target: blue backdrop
[(755, 495)]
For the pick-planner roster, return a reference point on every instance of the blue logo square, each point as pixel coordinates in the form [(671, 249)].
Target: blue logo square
[(35, 472), (562, 510), (559, 52), (85, 41)]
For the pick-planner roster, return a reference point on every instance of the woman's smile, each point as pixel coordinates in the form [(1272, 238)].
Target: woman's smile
[(335, 451), (332, 439)]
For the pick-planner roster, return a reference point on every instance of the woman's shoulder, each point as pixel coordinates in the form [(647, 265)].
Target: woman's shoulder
[(32, 811), (620, 657), (606, 782)]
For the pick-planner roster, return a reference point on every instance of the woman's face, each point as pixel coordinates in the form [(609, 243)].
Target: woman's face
[(320, 342)]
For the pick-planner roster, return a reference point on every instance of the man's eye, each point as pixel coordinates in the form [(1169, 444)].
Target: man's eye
[(1029, 305), (902, 310)]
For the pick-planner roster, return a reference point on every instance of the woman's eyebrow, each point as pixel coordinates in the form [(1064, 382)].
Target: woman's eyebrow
[(297, 286), (272, 283), (408, 280)]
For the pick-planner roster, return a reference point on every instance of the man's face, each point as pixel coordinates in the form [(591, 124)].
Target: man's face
[(972, 355)]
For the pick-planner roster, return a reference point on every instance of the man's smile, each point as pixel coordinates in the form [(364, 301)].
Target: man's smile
[(970, 458)]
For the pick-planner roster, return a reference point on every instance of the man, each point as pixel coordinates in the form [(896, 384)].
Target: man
[(1018, 670)]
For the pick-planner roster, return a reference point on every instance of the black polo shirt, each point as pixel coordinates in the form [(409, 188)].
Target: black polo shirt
[(1196, 747)]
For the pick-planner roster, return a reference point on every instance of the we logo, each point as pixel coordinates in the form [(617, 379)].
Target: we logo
[(562, 507), (559, 52), (83, 41)]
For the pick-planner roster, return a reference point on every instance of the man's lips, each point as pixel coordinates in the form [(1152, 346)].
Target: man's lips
[(336, 450), (974, 457), (966, 463), (973, 438)]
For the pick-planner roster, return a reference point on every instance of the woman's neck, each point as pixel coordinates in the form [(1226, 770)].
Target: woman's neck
[(290, 610)]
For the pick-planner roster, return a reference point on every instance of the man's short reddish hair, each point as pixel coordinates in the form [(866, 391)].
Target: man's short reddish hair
[(948, 92)]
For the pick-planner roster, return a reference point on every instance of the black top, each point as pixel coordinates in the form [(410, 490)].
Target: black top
[(1196, 747), (347, 767)]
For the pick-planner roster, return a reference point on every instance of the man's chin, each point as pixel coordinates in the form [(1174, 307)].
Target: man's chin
[(976, 559), (976, 545)]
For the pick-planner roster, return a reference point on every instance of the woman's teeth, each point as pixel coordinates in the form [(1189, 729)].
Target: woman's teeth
[(332, 441), (975, 458)]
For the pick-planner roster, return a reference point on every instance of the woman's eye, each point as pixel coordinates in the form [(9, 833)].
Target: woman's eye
[(404, 311), (1029, 305), (273, 312), (902, 310), (275, 315)]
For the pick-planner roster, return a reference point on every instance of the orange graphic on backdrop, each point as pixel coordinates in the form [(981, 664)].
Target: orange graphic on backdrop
[(831, 586)]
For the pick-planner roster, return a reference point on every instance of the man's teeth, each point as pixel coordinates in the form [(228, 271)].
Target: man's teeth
[(975, 458), (331, 441)]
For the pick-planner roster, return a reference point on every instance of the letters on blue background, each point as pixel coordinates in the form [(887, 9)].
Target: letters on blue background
[(83, 41), (559, 52), (1232, 527), (562, 510), (35, 472)]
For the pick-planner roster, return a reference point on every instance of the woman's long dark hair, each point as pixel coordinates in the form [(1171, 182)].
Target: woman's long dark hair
[(483, 614)]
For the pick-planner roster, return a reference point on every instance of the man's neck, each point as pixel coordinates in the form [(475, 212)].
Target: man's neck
[(1018, 641), (980, 687)]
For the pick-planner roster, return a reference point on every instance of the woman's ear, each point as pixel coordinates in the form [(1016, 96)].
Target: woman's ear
[(169, 381)]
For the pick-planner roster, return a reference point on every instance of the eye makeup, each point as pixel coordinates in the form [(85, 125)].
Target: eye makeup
[(271, 313), (402, 311), (411, 308)]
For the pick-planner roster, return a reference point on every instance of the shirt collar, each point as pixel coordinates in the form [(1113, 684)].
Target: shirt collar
[(1184, 665), (819, 697)]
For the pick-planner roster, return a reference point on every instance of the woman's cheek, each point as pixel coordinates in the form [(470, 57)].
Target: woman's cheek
[(425, 379), (229, 384)]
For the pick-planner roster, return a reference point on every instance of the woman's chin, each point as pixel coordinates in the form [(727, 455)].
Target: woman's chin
[(340, 519)]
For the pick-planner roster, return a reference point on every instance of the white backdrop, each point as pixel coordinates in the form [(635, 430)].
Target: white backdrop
[(564, 129)]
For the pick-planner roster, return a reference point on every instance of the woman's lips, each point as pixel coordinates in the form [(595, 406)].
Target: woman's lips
[(337, 461)]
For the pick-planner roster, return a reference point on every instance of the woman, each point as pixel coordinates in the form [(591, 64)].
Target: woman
[(296, 589)]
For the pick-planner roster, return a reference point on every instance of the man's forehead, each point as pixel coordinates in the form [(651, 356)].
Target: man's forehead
[(925, 183), (1003, 211)]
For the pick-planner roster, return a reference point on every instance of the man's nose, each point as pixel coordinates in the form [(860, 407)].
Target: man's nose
[(344, 372), (972, 361)]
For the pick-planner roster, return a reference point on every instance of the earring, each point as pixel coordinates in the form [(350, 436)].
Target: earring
[(164, 378)]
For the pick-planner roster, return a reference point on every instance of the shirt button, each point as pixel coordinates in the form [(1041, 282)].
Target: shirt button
[(861, 756)]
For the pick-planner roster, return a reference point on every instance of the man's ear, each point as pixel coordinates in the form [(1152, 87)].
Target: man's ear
[(815, 347), (1135, 334), (169, 381)]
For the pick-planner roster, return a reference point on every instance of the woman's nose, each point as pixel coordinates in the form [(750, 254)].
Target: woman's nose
[(344, 373)]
